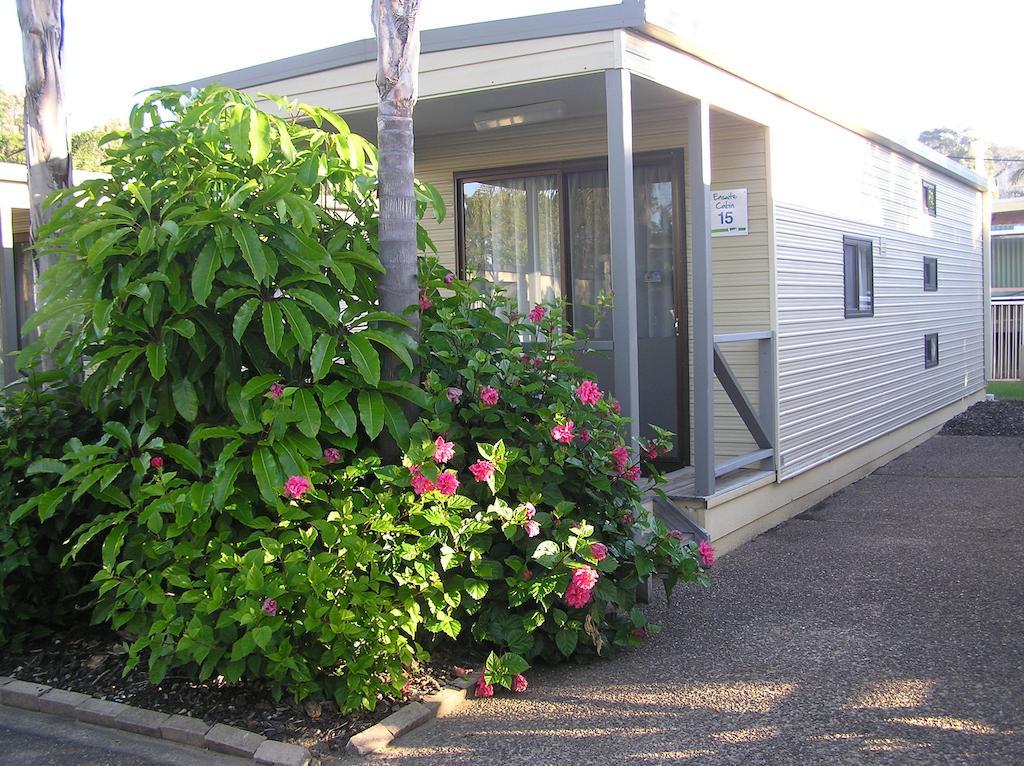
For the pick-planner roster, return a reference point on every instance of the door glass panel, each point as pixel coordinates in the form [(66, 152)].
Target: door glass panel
[(590, 254), (511, 234), (656, 300)]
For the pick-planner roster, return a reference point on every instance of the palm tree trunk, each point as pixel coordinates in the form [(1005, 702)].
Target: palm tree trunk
[(46, 131), (398, 53)]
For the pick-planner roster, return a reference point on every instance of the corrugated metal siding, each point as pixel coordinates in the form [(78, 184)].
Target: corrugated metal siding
[(741, 266), (1008, 262), (844, 382)]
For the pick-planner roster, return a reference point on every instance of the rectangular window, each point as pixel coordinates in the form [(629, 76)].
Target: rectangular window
[(931, 274), (931, 350), (928, 197), (858, 277)]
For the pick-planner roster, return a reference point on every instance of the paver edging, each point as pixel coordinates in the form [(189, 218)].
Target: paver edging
[(411, 716), (148, 723)]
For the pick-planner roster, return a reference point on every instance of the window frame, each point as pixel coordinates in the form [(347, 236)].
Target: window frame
[(931, 286), (851, 273), (929, 206), (930, 362)]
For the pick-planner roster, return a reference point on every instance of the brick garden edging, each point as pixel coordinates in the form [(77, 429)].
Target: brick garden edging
[(411, 716), (176, 728)]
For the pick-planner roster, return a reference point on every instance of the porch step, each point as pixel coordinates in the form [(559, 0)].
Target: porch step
[(674, 518)]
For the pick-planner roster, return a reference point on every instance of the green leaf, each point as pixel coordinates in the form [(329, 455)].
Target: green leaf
[(342, 415), (476, 589), (322, 356), (49, 501), (371, 412), (224, 483), (186, 401), (119, 432), (252, 248), (46, 465), (184, 457), (273, 326), (307, 412), (566, 640), (393, 340), (395, 420), (243, 317), (156, 355), (298, 323), (204, 271), (259, 385), (365, 357), (259, 136), (328, 309), (268, 475), (547, 553)]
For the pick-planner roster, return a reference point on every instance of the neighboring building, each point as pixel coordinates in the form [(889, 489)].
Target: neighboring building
[(1008, 247), (16, 273), (832, 279)]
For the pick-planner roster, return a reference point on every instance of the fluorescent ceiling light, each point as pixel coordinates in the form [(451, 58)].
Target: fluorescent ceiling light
[(545, 111)]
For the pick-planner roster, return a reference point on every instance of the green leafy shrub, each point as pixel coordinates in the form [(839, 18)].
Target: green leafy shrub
[(233, 337), (559, 501), (39, 415), (250, 527)]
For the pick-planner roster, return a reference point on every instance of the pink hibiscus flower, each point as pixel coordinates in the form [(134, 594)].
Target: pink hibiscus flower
[(447, 483), (578, 594), (519, 683), (425, 302), (588, 392), (599, 551), (483, 689), (449, 278), (332, 455), (537, 313), (489, 396), (443, 451), (620, 456), (269, 606), (676, 534), (527, 574), (532, 528), (421, 484), (454, 395), (276, 390), (482, 470), (585, 436), (563, 432), (632, 473), (156, 462), (707, 553), (297, 486), (531, 511)]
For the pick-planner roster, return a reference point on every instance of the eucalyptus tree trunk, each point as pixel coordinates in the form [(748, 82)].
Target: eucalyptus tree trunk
[(46, 131), (398, 55)]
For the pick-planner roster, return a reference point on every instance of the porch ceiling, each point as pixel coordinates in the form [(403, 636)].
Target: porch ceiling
[(583, 95)]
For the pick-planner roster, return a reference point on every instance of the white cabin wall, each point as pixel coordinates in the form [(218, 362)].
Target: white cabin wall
[(844, 382)]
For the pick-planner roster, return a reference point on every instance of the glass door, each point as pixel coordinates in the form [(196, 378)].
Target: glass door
[(545, 234)]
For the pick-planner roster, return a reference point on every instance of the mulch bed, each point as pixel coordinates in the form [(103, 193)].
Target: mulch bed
[(1000, 418), (91, 661)]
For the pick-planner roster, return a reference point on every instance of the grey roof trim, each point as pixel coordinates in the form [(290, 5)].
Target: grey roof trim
[(628, 14), (625, 15)]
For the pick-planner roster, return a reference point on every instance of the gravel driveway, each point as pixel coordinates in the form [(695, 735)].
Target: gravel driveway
[(881, 627)]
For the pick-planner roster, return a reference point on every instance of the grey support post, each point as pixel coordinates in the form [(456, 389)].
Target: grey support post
[(8, 304), (699, 145), (623, 241)]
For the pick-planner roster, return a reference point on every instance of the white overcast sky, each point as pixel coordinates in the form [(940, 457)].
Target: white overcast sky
[(897, 66)]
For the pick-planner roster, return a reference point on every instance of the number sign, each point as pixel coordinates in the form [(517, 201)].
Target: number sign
[(729, 213)]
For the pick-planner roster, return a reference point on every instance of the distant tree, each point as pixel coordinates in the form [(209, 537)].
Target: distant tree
[(12, 127), (86, 150), (1005, 163), (951, 143)]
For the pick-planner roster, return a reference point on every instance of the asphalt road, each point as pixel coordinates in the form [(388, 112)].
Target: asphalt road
[(883, 626), (37, 739)]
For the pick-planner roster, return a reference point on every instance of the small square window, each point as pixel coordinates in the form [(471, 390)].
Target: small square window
[(931, 350), (931, 274), (928, 197), (858, 277)]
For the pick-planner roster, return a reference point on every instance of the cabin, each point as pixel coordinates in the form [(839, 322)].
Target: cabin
[(799, 298)]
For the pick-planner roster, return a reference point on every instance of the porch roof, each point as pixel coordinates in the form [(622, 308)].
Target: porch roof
[(654, 19)]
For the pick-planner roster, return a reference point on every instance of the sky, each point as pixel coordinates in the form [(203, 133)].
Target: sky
[(896, 66)]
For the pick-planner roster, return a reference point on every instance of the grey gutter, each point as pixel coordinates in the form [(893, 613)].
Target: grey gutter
[(625, 15)]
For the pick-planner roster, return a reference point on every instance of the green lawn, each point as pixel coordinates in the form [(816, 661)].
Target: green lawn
[(1007, 389)]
